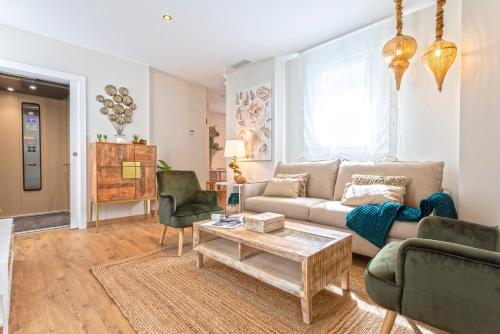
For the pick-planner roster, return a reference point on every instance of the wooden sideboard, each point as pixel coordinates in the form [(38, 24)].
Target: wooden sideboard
[(122, 173)]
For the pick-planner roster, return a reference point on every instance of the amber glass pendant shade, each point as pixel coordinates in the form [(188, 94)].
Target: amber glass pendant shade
[(441, 55), (398, 51)]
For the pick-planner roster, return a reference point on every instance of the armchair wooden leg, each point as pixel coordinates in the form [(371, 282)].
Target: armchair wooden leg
[(163, 234), (390, 317), (181, 241)]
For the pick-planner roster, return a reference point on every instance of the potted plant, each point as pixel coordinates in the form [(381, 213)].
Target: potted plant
[(213, 146)]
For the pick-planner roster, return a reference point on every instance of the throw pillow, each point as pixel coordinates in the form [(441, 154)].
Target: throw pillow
[(282, 188), (397, 181), (356, 195), (302, 178)]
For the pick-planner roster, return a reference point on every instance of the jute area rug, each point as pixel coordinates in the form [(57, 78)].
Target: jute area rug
[(162, 293)]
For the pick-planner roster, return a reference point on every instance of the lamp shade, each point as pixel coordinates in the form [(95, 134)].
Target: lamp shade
[(235, 148)]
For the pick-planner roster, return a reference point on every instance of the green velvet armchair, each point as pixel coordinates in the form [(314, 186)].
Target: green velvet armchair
[(182, 202), (447, 277)]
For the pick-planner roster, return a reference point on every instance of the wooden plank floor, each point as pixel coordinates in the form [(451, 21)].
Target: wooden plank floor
[(55, 292)]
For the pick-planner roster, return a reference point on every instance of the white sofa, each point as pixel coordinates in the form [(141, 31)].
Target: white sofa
[(327, 180)]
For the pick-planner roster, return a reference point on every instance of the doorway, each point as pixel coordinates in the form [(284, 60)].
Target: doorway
[(34, 132), (76, 154)]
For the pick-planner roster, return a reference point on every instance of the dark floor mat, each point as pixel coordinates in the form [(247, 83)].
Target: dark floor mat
[(37, 222)]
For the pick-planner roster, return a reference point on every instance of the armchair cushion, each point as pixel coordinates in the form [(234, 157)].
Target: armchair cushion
[(193, 209), (380, 278), (459, 232)]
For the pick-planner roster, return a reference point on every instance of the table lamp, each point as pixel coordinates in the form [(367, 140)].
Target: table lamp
[(235, 149)]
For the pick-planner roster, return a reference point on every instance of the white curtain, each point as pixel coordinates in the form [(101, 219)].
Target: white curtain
[(347, 103)]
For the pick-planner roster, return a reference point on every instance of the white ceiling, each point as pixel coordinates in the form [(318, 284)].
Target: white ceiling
[(205, 36)]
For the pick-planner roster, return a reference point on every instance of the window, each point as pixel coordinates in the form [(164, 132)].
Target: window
[(348, 101)]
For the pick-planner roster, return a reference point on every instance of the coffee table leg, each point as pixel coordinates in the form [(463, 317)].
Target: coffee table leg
[(344, 283), (199, 260), (306, 305)]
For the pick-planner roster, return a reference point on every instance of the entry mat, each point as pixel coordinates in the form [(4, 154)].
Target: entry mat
[(41, 221)]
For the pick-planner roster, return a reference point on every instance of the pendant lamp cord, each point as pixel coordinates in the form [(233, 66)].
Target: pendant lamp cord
[(399, 16), (440, 18)]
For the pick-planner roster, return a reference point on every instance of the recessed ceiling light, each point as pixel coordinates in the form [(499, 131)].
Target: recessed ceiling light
[(168, 17), (10, 89), (32, 87)]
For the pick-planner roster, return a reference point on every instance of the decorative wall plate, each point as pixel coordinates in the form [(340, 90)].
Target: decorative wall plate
[(123, 91), (118, 109), (128, 113), (104, 110), (118, 98), (133, 106), (110, 90), (108, 103), (99, 98), (128, 100)]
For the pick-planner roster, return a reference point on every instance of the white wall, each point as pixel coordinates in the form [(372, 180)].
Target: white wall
[(429, 121), (480, 112), (99, 69), (269, 70), (177, 108)]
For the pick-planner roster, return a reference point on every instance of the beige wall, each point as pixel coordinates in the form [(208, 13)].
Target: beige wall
[(55, 156), (178, 123), (218, 120), (480, 112)]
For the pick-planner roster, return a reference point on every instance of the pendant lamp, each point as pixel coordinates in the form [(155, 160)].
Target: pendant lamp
[(439, 57), (398, 51)]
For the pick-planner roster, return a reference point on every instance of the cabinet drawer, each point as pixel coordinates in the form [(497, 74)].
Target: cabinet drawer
[(145, 154), (113, 154), (145, 187), (112, 187)]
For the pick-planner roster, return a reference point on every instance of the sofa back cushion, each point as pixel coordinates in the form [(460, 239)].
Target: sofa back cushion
[(425, 178), (322, 176)]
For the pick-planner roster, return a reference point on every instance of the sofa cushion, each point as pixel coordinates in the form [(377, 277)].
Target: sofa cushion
[(322, 176), (425, 178), (297, 208), (333, 213)]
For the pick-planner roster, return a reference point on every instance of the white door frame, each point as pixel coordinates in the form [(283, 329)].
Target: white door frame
[(78, 132)]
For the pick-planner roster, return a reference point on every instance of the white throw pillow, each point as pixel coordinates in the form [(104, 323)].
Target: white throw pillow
[(282, 188), (356, 195)]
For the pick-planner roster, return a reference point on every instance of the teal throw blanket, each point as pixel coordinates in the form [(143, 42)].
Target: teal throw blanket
[(374, 221)]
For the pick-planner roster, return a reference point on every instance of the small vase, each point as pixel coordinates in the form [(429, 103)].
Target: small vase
[(120, 139), (240, 179)]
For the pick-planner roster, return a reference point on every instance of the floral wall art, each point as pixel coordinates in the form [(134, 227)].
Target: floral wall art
[(254, 121)]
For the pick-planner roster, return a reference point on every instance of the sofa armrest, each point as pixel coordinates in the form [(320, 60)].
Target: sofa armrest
[(207, 197), (449, 286), (458, 232), (252, 190)]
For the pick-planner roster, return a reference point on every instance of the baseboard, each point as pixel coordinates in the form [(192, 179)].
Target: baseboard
[(127, 219)]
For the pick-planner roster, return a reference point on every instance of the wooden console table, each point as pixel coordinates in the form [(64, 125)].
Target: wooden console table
[(122, 173), (6, 262)]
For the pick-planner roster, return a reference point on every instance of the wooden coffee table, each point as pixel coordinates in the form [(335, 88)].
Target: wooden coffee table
[(299, 259)]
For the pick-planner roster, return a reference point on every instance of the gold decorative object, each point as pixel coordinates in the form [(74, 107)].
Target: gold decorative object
[(235, 149), (110, 90), (398, 51), (123, 91), (439, 57), (119, 108), (131, 169)]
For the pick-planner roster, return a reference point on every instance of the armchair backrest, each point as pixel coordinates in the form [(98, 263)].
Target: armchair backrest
[(183, 185)]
